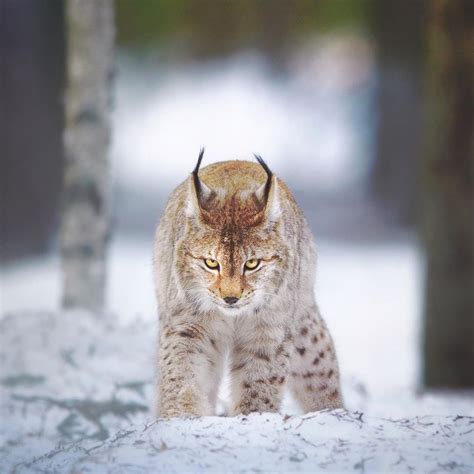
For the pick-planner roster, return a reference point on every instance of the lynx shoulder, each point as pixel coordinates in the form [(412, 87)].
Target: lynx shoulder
[(234, 264)]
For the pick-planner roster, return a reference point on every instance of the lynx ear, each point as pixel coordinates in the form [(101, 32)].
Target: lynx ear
[(200, 195), (268, 194)]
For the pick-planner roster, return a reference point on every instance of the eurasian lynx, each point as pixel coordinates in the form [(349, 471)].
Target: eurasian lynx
[(234, 267)]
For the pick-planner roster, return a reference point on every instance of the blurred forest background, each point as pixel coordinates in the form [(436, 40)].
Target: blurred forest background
[(363, 106)]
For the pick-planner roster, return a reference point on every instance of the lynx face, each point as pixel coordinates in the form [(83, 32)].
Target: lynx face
[(233, 256), (236, 270)]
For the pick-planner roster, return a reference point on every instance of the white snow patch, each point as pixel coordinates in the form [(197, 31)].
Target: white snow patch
[(77, 389), (323, 442)]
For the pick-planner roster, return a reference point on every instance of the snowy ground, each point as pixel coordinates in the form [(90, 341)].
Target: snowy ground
[(333, 442), (76, 389), (76, 395)]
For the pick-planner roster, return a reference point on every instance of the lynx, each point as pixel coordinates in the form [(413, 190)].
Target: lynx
[(234, 263)]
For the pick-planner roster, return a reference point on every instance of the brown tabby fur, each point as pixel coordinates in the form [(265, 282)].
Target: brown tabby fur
[(273, 335)]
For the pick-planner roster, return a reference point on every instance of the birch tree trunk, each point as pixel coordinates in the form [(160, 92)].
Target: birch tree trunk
[(448, 204), (90, 33)]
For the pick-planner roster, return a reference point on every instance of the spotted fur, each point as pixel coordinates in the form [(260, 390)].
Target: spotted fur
[(231, 212)]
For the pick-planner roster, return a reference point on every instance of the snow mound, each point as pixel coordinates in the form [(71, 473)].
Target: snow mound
[(76, 392), (325, 441)]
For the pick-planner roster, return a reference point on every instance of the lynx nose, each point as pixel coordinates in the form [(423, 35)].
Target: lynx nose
[(231, 299)]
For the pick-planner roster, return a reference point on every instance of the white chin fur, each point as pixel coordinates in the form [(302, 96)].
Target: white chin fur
[(232, 312), (207, 304)]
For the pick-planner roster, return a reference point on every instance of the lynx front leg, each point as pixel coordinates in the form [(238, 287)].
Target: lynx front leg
[(314, 378), (189, 371), (259, 370)]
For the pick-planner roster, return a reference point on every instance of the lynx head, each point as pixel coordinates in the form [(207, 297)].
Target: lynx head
[(233, 254)]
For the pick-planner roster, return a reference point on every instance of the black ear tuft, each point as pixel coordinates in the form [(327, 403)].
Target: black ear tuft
[(268, 184), (197, 183)]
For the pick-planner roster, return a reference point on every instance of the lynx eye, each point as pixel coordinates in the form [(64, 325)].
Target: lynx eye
[(211, 263), (252, 264)]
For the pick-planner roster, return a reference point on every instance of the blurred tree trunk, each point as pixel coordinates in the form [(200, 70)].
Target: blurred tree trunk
[(398, 33), (90, 34), (448, 204)]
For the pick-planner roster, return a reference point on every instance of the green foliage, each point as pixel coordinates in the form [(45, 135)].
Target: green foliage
[(215, 26), (144, 22), (325, 15)]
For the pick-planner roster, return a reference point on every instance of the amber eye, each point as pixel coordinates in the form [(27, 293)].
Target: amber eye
[(252, 264), (211, 263)]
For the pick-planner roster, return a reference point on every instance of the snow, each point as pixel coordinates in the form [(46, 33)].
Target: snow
[(329, 442), (76, 389)]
